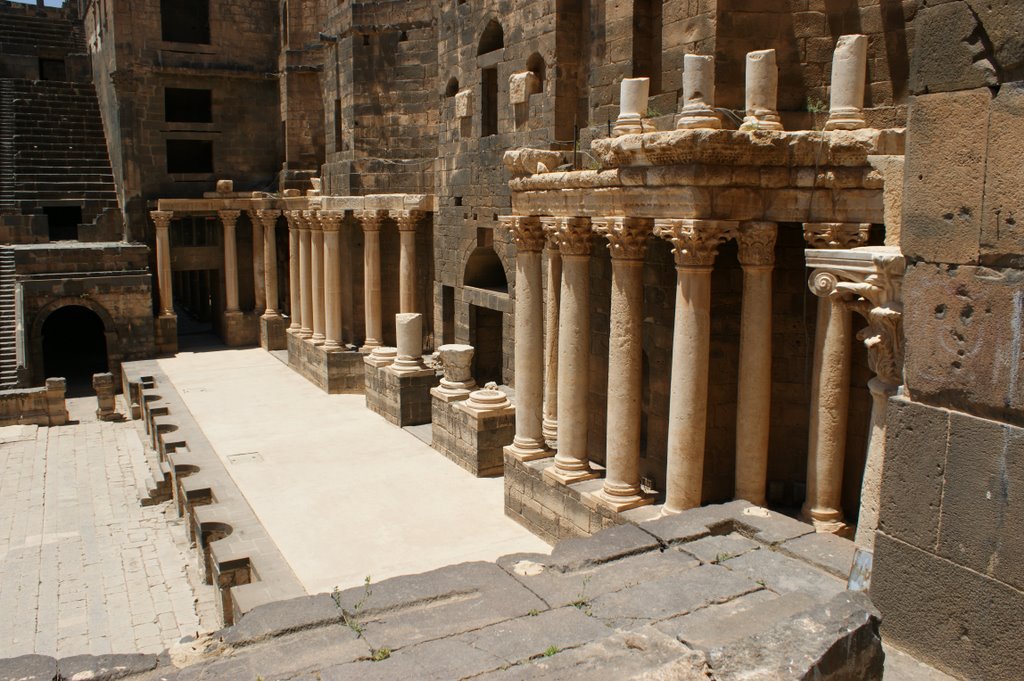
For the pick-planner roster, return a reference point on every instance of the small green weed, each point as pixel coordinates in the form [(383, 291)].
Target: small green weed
[(381, 654), (551, 651)]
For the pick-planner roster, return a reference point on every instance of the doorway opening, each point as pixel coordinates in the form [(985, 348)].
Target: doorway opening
[(74, 347), (485, 334)]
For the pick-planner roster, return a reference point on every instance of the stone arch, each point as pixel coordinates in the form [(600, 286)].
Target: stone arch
[(35, 340), (507, 265), (492, 37), (452, 88), (536, 65)]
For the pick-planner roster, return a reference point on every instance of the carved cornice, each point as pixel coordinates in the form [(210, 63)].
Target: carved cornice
[(162, 218), (330, 221), (527, 232), (836, 234), (574, 236), (756, 242), (695, 242), (627, 237), (371, 220)]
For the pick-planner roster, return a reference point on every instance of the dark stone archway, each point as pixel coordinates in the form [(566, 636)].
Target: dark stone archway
[(74, 346)]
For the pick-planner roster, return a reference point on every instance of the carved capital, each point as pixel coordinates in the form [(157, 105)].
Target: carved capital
[(407, 219), (162, 218), (527, 232), (371, 220), (312, 219), (294, 218), (695, 242), (330, 220), (836, 234), (757, 244), (574, 236), (550, 227), (268, 217), (229, 217), (627, 237)]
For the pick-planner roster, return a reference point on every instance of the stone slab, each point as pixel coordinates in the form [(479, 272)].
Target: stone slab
[(720, 548), (105, 667), (606, 545), (827, 551), (28, 668), (783, 574)]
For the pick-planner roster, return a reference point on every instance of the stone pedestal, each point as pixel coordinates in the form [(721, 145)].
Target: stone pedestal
[(239, 329), (106, 410), (167, 334), (273, 332), (849, 73), (402, 397), (762, 88), (698, 93), (335, 372), (473, 431)]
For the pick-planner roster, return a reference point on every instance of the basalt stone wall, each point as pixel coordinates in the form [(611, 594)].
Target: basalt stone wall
[(947, 572)]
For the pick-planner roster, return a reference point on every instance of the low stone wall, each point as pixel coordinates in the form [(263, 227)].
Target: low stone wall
[(333, 372), (34, 406), (401, 398), (472, 439), (236, 553)]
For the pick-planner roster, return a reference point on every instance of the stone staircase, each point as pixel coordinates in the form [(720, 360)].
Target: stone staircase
[(25, 31), (8, 321)]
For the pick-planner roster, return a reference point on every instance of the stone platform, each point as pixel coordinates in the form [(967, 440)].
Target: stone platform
[(718, 593), (338, 372)]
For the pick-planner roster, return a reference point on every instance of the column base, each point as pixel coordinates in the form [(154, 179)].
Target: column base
[(549, 429), (827, 522), (167, 334), (369, 346), (526, 453), (845, 121), (617, 503), (273, 335), (556, 474), (239, 329)]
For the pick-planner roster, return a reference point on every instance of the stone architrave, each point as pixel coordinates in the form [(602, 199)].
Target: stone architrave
[(572, 462), (407, 222), (549, 426), (698, 93), (316, 265), (627, 242), (162, 220), (756, 242), (762, 92), (330, 223), (849, 73), (695, 246), (371, 221), (409, 332), (294, 276), (456, 360), (633, 96), (268, 218), (528, 236), (229, 220)]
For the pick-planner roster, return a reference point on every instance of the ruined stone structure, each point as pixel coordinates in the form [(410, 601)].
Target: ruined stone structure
[(679, 236)]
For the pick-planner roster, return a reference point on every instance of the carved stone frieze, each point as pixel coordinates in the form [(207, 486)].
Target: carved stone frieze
[(695, 242)]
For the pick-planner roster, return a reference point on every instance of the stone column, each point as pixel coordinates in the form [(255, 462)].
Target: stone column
[(753, 402), (407, 221), (549, 425), (371, 222), (229, 219), (268, 218), (627, 241), (316, 239), (695, 246), (528, 236), (762, 82), (571, 461), (162, 220), (305, 275), (330, 222), (633, 96), (294, 272), (849, 73), (698, 93), (258, 273), (409, 337)]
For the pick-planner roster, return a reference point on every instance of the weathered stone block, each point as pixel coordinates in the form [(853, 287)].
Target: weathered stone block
[(1002, 229), (949, 53), (273, 333), (403, 398), (340, 371)]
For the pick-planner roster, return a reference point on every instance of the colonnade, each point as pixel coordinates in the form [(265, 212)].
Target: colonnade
[(315, 271), (552, 409)]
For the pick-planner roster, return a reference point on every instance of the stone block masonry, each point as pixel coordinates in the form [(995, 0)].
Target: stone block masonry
[(337, 371), (403, 398)]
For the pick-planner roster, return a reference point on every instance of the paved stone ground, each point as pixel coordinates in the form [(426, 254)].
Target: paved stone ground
[(342, 493), (84, 567)]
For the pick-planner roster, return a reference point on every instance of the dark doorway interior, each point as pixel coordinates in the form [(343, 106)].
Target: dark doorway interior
[(486, 336), (194, 300), (63, 222), (75, 347), (447, 314)]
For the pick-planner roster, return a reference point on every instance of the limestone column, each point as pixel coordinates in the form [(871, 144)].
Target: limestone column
[(305, 275), (316, 257), (331, 224), (294, 272), (633, 96), (549, 425), (268, 218), (698, 93), (849, 73), (753, 402), (627, 241), (695, 246), (762, 92), (409, 339), (229, 219), (407, 221), (528, 236), (258, 273), (162, 220), (571, 462), (371, 222)]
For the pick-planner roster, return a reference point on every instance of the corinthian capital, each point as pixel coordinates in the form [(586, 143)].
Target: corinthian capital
[(527, 232), (836, 234), (312, 218), (695, 242), (371, 219), (229, 217), (757, 244), (627, 237), (330, 220), (574, 236), (161, 218), (268, 217), (407, 219)]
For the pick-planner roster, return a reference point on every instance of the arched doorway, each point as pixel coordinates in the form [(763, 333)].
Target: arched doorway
[(74, 346)]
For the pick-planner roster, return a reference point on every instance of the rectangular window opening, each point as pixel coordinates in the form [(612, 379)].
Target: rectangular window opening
[(489, 103), (186, 105), (185, 21), (63, 222), (52, 69), (338, 141), (189, 156)]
